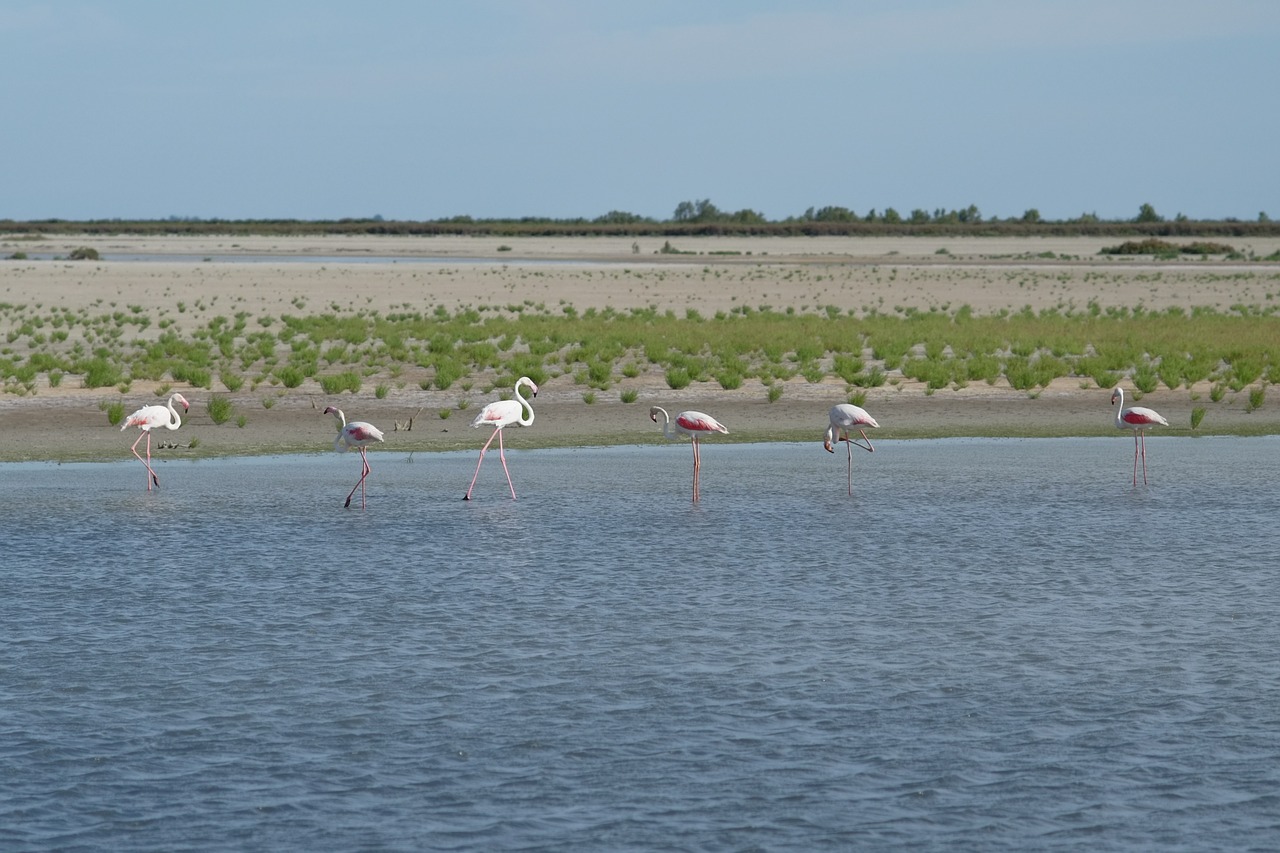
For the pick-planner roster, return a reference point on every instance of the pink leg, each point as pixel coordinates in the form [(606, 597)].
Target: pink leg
[(867, 447), (147, 461), (697, 469), (1135, 458), (848, 472), (1143, 436), (364, 475), (467, 496), (503, 456), (364, 472), (849, 445)]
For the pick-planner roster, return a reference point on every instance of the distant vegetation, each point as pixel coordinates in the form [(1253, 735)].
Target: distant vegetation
[(691, 218), (490, 346), (1164, 249)]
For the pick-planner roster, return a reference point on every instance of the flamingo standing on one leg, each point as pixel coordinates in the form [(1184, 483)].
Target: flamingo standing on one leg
[(1138, 419), (845, 417), (692, 424), (499, 414), (358, 435), (153, 417)]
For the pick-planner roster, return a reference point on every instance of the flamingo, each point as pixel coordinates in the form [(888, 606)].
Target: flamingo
[(499, 414), (692, 424), (153, 417), (358, 435), (845, 417), (1138, 419)]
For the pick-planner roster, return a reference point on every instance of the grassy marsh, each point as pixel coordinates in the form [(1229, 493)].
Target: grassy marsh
[(488, 347)]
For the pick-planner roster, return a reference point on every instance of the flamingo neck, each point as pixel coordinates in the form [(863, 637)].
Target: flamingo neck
[(524, 405), (176, 419), (666, 426)]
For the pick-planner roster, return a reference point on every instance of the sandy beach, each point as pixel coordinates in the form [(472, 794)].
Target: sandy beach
[(184, 282)]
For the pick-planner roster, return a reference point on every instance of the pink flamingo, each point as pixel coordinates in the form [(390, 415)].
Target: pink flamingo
[(499, 414), (358, 435), (153, 417), (1138, 419), (692, 424), (845, 417)]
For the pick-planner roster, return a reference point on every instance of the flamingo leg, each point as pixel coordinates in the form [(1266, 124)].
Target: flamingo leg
[(867, 447), (364, 472), (467, 496), (851, 443), (503, 456), (848, 471), (147, 462), (1143, 436), (1135, 457), (697, 468)]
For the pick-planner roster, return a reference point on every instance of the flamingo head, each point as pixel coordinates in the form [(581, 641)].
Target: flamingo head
[(828, 440), (653, 414), (186, 407), (1116, 395), (826, 445), (330, 410), (525, 380)]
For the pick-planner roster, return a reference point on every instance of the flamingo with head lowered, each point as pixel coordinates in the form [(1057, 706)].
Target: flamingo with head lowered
[(1138, 419), (153, 417), (358, 435), (694, 425), (499, 414), (845, 417)]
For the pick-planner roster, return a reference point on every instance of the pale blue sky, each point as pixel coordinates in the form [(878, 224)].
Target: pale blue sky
[(418, 109)]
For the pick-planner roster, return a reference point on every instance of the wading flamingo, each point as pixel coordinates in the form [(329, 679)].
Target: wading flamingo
[(692, 424), (499, 414), (358, 435), (1138, 419), (845, 417), (153, 417)]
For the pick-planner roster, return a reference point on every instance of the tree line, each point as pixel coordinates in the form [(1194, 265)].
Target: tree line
[(691, 218)]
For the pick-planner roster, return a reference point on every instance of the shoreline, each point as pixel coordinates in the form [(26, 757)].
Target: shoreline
[(74, 429), (852, 275)]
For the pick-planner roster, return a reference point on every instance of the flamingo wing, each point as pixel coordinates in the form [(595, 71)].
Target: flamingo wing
[(1142, 416), (360, 432), (697, 422), (498, 414), (148, 417), (847, 415)]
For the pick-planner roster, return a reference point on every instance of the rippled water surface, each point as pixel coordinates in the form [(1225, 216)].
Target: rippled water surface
[(995, 645)]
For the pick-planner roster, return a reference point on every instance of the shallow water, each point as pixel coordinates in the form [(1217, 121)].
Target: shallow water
[(994, 644)]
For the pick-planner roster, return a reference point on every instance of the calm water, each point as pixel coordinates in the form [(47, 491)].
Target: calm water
[(994, 645)]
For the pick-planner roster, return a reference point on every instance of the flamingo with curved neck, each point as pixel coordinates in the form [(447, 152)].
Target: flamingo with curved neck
[(845, 417), (357, 435), (1138, 419), (499, 414), (694, 425), (154, 417)]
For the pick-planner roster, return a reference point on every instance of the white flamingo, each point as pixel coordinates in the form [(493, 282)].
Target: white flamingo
[(499, 414), (845, 417), (1138, 419), (356, 435), (694, 425), (153, 417)]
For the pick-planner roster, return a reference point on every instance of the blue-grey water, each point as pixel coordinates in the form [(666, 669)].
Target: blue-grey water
[(993, 645)]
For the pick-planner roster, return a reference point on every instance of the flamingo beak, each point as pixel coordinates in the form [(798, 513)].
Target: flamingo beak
[(826, 445)]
